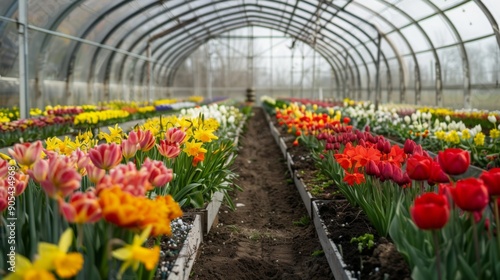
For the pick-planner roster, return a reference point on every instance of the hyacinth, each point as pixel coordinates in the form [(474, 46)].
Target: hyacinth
[(128, 211)]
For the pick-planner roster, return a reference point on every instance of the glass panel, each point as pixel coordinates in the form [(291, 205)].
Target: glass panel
[(494, 8), (9, 66), (399, 42), (395, 17), (438, 30), (8, 8), (484, 61), (416, 9), (451, 66), (415, 38), (442, 5), (470, 21)]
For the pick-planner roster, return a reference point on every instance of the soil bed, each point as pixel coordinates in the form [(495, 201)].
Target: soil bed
[(269, 235)]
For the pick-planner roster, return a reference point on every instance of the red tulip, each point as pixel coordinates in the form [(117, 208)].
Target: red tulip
[(346, 120), (371, 168), (491, 179), (430, 211), (454, 161), (106, 156), (409, 146), (470, 194), (437, 174), (82, 208), (419, 167)]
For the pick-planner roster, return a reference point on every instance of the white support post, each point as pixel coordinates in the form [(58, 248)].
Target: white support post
[(22, 27)]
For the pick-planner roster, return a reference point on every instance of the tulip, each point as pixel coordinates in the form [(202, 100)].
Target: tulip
[(409, 146), (168, 150), (175, 135), (430, 211), (129, 148), (491, 179), (372, 168), (159, 174), (105, 156), (94, 173), (454, 161), (146, 140), (56, 176), (82, 208), (470, 194), (4, 168), (27, 153), (437, 174), (419, 167), (4, 196), (21, 182)]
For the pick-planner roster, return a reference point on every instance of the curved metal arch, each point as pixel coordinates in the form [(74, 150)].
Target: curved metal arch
[(271, 8), (439, 82), (348, 42), (491, 19), (76, 48), (235, 25), (463, 54), (174, 55), (171, 75), (194, 46)]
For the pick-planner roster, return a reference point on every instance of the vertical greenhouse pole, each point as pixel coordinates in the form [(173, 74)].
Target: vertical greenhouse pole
[(150, 74), (291, 71), (22, 28), (378, 92), (209, 71), (271, 61)]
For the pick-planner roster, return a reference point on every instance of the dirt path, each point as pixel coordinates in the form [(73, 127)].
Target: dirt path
[(260, 240)]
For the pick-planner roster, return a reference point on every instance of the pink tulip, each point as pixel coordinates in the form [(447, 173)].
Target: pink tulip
[(175, 135), (106, 156), (21, 182), (168, 150), (80, 158), (4, 168), (129, 148), (59, 177), (94, 173), (27, 153), (146, 140), (159, 175), (82, 208), (4, 203)]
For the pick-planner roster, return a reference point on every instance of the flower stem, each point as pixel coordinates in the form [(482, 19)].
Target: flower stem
[(497, 220), (476, 245), (436, 247)]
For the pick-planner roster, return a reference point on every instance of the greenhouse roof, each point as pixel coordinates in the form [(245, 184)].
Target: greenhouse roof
[(88, 40)]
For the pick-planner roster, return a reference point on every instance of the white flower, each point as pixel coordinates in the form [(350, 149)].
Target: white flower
[(447, 118), (407, 119), (414, 116), (425, 125), (492, 118)]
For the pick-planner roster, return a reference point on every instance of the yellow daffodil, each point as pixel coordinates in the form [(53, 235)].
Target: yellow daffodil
[(134, 254), (115, 134), (211, 124), (51, 257), (452, 137), (194, 148), (205, 136), (479, 139), (57, 257), (495, 133), (466, 134), (26, 270)]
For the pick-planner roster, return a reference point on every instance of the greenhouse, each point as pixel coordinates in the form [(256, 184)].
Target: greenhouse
[(249, 139)]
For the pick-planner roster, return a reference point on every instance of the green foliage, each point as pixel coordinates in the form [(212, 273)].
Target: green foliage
[(303, 222), (364, 241)]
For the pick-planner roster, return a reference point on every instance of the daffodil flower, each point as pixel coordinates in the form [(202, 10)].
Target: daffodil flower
[(51, 257), (134, 254)]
